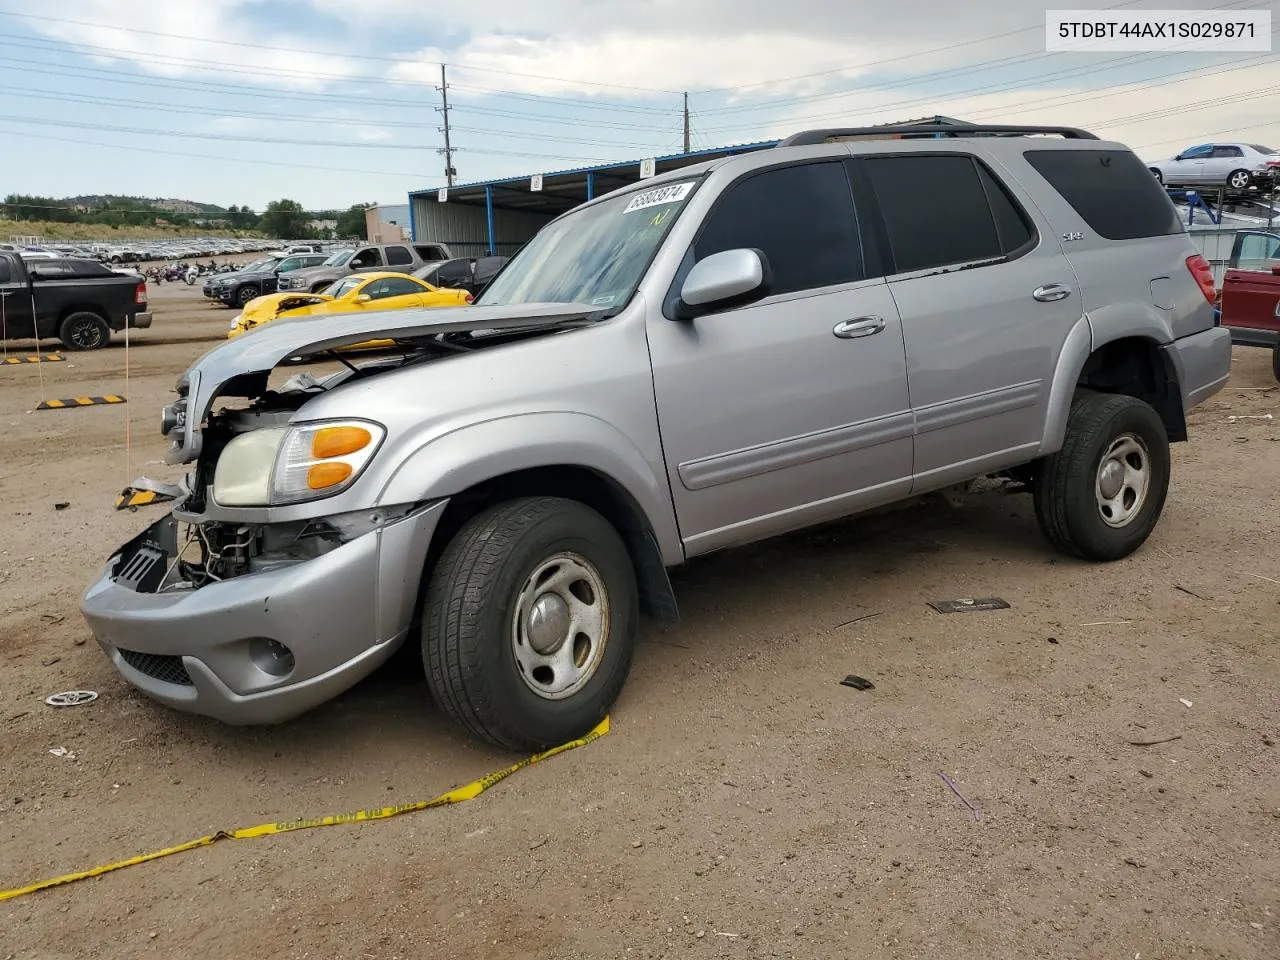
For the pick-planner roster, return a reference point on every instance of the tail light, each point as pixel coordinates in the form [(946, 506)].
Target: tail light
[(140, 294), (469, 298), (1203, 274)]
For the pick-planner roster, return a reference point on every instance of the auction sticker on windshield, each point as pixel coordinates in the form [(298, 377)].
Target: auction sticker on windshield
[(652, 198)]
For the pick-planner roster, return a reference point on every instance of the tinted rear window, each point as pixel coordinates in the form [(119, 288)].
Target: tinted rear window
[(1111, 189), (943, 209)]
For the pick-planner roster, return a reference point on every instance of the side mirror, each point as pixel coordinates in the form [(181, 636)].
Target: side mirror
[(363, 298), (726, 279)]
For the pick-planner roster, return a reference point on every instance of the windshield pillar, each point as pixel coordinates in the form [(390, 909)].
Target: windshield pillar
[(488, 212)]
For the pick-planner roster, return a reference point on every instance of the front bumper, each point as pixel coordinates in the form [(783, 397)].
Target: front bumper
[(341, 615), (1202, 362)]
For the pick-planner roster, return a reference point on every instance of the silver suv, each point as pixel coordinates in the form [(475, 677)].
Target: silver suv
[(721, 354)]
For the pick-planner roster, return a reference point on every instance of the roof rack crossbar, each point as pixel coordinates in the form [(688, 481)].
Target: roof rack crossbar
[(808, 137)]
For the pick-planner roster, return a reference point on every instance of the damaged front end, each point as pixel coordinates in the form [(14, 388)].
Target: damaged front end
[(278, 580)]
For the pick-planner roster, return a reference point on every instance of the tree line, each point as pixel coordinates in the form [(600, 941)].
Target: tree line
[(281, 218)]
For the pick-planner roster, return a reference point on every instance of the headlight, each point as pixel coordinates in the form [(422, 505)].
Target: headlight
[(236, 321), (283, 465)]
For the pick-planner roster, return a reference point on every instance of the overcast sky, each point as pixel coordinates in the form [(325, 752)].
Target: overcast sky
[(216, 100)]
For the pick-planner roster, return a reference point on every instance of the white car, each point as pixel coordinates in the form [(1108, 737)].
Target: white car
[(1237, 166)]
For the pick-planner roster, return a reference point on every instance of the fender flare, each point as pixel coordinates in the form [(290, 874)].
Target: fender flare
[(447, 464)]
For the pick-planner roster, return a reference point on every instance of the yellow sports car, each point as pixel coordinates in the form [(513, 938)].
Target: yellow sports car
[(353, 294)]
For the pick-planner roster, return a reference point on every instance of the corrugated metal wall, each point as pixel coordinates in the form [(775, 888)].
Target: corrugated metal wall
[(465, 227)]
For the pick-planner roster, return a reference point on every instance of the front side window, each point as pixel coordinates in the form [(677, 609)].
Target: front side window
[(1196, 153), (1258, 246), (801, 218), (398, 256), (942, 209), (595, 255), (367, 258)]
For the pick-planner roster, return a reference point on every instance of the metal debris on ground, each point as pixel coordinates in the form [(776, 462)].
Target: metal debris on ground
[(63, 752), (977, 814), (968, 604), (1152, 743), (858, 683), (71, 698), (1184, 701), (1249, 416), (62, 504), (869, 616)]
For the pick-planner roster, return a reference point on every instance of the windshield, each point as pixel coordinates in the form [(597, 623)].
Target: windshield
[(596, 255), (343, 287), (258, 264), (339, 259)]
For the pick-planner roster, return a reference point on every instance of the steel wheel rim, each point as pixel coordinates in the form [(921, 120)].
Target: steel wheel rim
[(1123, 480), (86, 334), (560, 626)]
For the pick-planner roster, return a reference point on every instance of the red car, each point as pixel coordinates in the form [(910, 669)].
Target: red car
[(1250, 302)]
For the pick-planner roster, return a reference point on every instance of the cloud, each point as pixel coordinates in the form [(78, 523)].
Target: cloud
[(234, 21)]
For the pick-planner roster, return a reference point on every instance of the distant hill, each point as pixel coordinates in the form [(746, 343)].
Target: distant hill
[(172, 205)]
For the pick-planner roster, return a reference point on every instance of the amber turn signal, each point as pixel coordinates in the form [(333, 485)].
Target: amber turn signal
[(325, 475), (338, 441)]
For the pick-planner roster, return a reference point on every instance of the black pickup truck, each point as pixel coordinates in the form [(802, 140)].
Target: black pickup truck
[(80, 302)]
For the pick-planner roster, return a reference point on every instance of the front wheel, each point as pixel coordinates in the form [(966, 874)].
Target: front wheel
[(530, 622), (1239, 179), (1158, 175), (1099, 497), (245, 294), (84, 331)]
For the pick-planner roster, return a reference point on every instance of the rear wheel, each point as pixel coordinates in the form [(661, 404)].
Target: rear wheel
[(1239, 179), (1099, 497), (530, 622), (84, 331), (1158, 175)]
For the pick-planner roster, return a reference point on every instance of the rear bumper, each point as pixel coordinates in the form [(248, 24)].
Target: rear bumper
[(1202, 362), (140, 320), (1254, 336)]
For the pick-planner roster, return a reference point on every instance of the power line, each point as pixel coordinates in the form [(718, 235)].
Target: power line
[(327, 53)]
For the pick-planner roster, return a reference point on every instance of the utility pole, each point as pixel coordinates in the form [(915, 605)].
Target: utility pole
[(449, 171), (686, 121)]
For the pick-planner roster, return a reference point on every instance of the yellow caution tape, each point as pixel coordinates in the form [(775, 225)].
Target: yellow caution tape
[(458, 795)]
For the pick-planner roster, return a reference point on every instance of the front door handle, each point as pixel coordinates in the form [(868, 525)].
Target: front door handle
[(1051, 291), (858, 327)]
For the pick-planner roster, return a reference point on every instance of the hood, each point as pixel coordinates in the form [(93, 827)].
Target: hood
[(240, 367), (272, 305)]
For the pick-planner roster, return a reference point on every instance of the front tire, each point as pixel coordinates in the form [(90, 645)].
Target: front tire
[(245, 294), (1158, 175), (84, 331), (1099, 497), (530, 623)]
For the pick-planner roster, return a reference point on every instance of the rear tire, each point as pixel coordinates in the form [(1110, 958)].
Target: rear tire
[(1239, 179), (1158, 175), (84, 331), (1099, 497), (529, 575)]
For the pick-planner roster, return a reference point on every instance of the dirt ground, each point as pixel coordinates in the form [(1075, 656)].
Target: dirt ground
[(745, 803)]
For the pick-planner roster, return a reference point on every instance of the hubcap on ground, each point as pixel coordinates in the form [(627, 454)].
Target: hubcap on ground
[(560, 626), (1124, 476)]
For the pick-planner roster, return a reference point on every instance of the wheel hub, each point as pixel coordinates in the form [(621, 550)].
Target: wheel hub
[(548, 623), (1111, 479)]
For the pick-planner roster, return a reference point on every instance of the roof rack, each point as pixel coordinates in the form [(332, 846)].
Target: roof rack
[(808, 137)]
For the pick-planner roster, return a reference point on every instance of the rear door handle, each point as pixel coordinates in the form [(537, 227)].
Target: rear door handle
[(1051, 291), (858, 327)]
